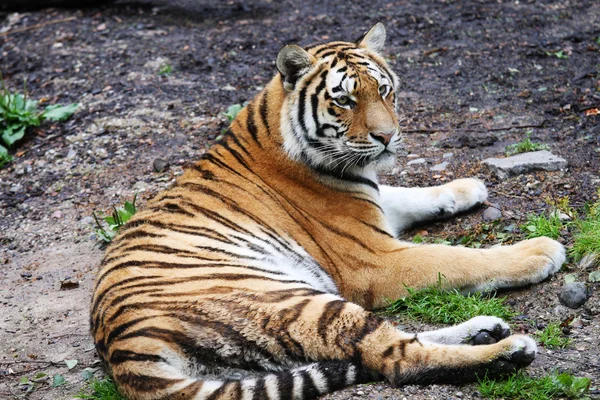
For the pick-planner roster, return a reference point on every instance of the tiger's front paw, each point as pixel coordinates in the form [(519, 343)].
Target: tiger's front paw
[(516, 352), (461, 195), (483, 330)]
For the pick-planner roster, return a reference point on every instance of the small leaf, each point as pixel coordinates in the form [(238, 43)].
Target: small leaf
[(594, 276), (531, 228), (59, 112), (40, 375), (24, 380), (570, 278), (71, 363), (12, 133), (58, 380), (88, 373), (129, 207)]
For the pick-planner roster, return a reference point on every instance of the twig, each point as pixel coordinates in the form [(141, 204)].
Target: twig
[(480, 130), (36, 26)]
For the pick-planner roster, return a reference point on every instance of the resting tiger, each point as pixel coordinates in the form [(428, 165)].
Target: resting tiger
[(268, 254)]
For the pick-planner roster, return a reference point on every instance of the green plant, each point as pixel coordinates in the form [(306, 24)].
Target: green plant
[(587, 235), (104, 389), (522, 386), (119, 217), (437, 305), (165, 70), (558, 54), (551, 337), (524, 146), (541, 225), (232, 112), (17, 113), (29, 385)]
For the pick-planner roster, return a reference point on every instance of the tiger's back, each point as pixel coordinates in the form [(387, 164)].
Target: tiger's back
[(268, 252)]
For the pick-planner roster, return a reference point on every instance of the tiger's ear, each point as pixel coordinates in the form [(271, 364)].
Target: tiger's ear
[(293, 62), (374, 39)]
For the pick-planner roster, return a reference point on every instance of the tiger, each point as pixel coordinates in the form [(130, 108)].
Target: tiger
[(256, 274)]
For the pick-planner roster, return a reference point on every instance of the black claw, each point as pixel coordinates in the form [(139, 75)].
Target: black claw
[(483, 338)]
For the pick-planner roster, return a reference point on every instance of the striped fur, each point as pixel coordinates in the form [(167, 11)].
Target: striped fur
[(267, 255)]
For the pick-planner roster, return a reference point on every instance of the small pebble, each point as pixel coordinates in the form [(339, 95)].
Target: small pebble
[(160, 165), (492, 214)]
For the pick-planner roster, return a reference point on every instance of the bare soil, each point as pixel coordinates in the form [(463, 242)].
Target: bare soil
[(476, 76)]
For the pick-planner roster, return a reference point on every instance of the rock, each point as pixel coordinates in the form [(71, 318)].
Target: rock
[(101, 152), (417, 161), (160, 165), (525, 162), (57, 214), (439, 167), (492, 214), (447, 156), (573, 294)]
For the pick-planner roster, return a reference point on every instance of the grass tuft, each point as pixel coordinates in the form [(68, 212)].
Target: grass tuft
[(522, 386), (542, 225), (118, 219), (587, 236), (437, 305), (100, 389), (525, 146), (552, 337)]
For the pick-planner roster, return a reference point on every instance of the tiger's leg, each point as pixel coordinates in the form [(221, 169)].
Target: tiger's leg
[(404, 207), (386, 273), (477, 330), (331, 328)]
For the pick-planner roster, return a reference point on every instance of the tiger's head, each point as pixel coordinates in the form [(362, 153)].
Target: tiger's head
[(339, 111)]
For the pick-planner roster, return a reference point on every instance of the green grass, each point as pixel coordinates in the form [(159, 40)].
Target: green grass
[(165, 70), (552, 337), (542, 225), (18, 113), (522, 386), (524, 146), (587, 235), (437, 305), (104, 389), (114, 222)]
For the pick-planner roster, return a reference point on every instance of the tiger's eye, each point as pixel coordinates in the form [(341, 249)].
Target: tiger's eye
[(383, 90), (343, 100)]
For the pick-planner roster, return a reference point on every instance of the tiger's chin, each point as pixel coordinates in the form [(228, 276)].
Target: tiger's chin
[(384, 161)]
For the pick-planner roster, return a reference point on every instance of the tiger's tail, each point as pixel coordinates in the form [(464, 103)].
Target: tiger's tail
[(302, 383)]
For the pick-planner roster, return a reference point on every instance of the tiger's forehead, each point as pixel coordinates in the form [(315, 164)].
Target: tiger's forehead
[(350, 67)]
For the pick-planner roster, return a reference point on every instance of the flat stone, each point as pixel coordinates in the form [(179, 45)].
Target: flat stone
[(160, 165), (417, 161), (525, 162), (447, 155), (440, 166), (573, 295), (492, 214)]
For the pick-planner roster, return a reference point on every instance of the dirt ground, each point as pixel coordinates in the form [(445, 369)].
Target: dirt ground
[(476, 75)]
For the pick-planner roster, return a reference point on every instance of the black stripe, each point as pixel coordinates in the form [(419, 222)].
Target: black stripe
[(251, 124), (260, 390), (375, 228), (331, 312), (145, 383), (120, 356), (264, 111)]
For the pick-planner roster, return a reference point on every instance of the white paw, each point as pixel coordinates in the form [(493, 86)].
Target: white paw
[(521, 349), (542, 256), (476, 331), (461, 195)]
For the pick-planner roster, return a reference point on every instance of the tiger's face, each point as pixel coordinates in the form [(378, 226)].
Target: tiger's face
[(340, 109)]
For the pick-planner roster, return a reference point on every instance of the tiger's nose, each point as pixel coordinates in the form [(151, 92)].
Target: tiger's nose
[(383, 138)]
